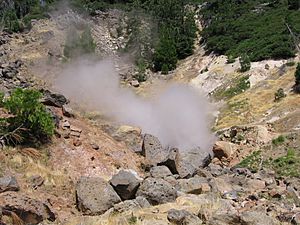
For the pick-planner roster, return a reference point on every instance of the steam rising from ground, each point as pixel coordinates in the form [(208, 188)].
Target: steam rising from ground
[(178, 115)]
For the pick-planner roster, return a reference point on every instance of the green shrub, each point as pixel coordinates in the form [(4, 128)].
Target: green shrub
[(241, 85), (30, 120), (165, 55), (252, 162), (141, 70), (279, 94), (230, 59), (297, 79), (292, 63), (10, 21), (278, 141), (245, 63), (1, 99), (288, 165)]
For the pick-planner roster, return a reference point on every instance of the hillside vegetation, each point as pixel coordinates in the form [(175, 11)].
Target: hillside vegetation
[(258, 28)]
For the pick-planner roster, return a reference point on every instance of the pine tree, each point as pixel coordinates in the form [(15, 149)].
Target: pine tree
[(165, 55)]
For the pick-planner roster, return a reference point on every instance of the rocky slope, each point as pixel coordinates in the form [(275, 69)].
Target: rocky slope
[(97, 172)]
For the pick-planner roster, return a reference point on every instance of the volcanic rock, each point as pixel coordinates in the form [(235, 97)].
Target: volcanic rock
[(125, 184), (157, 191), (8, 183), (94, 195), (29, 210)]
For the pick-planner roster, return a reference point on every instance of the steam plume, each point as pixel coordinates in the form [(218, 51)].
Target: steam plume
[(179, 115)]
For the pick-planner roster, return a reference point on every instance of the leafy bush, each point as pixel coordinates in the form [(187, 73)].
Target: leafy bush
[(230, 59), (245, 63), (241, 85), (278, 141), (297, 79), (252, 162), (141, 70), (30, 120), (279, 94), (287, 165), (292, 63)]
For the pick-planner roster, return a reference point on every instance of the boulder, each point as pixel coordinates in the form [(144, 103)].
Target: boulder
[(170, 160), (94, 195), (195, 185), (180, 217), (53, 99), (188, 162), (223, 149), (125, 184), (257, 218), (224, 219), (160, 172), (132, 136), (253, 185), (131, 205), (29, 210), (153, 150), (8, 183), (67, 111), (157, 191)]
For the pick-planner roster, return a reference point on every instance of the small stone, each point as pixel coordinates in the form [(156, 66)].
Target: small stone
[(67, 111), (95, 146), (8, 183), (134, 83), (36, 181), (75, 129), (232, 195), (66, 124), (76, 132), (296, 219), (77, 142)]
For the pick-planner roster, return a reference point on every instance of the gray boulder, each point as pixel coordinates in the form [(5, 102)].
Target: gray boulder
[(153, 150), (29, 210), (94, 196), (131, 205), (125, 184), (188, 162), (160, 172), (8, 183), (257, 218), (224, 219), (183, 217), (157, 191), (170, 160), (195, 185), (53, 99)]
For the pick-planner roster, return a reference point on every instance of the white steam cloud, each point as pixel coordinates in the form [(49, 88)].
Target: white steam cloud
[(179, 116)]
